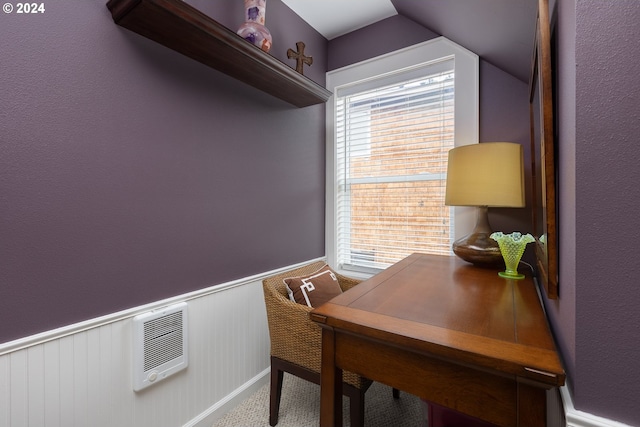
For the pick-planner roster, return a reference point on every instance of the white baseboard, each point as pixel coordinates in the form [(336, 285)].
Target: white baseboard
[(576, 418), (220, 409)]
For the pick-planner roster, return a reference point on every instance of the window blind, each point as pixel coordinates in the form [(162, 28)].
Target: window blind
[(393, 135)]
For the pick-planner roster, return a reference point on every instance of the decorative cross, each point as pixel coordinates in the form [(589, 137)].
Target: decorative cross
[(299, 57)]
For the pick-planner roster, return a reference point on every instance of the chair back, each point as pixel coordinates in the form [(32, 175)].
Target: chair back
[(294, 337)]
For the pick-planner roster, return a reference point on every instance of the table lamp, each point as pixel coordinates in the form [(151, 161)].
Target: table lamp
[(489, 174)]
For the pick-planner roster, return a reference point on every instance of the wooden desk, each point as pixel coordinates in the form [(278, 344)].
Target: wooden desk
[(446, 331)]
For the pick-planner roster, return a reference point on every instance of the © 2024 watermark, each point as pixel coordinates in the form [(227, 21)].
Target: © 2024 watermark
[(23, 8)]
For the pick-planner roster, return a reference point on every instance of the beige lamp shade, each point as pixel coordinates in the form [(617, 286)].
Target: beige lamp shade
[(487, 174)]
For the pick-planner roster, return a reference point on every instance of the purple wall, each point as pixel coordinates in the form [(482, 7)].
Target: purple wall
[(130, 173), (596, 318), (504, 116), (607, 105), (377, 39)]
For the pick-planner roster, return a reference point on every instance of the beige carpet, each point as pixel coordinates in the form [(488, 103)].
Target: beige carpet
[(300, 407)]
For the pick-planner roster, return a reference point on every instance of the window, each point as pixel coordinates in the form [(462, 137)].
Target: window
[(391, 122)]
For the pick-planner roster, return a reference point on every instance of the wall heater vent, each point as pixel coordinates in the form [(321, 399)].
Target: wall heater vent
[(159, 345)]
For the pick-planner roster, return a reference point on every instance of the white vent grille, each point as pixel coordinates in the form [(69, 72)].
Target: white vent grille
[(162, 340), (160, 345)]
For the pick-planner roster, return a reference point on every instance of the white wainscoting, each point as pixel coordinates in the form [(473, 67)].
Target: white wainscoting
[(81, 375)]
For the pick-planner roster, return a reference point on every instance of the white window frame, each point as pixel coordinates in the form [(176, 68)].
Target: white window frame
[(466, 99)]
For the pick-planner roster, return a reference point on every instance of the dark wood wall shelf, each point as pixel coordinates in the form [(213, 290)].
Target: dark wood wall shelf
[(181, 27)]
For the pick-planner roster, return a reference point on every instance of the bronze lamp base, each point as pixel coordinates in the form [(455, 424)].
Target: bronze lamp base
[(478, 248)]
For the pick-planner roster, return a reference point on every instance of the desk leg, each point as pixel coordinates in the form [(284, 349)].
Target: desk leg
[(532, 406), (330, 383)]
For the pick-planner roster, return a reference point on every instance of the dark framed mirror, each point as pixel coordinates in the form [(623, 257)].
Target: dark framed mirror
[(543, 155)]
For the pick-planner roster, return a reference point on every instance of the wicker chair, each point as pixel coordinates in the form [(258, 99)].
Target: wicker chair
[(296, 344)]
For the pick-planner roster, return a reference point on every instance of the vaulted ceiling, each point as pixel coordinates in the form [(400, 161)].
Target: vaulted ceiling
[(499, 31)]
